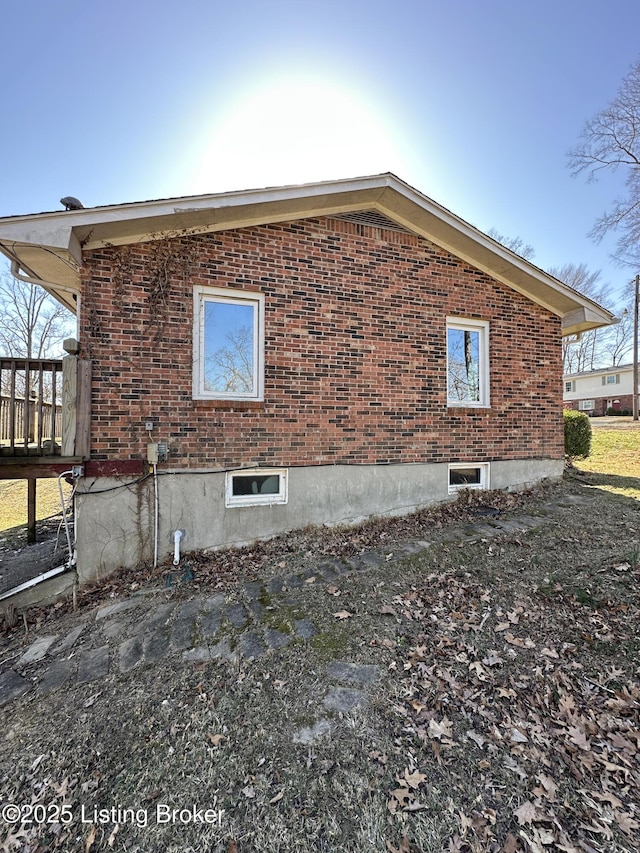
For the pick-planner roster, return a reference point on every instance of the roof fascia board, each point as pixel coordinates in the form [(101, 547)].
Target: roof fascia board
[(435, 223), (69, 232)]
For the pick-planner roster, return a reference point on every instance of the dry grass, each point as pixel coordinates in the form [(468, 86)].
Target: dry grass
[(13, 501), (505, 718), (615, 457)]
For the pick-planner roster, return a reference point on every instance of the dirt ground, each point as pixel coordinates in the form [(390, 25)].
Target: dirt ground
[(504, 714)]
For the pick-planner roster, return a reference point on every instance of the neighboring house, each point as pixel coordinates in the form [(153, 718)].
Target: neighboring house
[(314, 354), (597, 391)]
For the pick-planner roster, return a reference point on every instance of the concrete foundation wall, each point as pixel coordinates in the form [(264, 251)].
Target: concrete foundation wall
[(115, 519)]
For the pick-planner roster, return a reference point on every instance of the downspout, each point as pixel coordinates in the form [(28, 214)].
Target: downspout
[(15, 272)]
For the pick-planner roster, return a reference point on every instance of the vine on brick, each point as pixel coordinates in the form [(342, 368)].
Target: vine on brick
[(169, 259)]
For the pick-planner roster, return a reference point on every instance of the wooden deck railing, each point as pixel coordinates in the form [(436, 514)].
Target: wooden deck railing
[(31, 395)]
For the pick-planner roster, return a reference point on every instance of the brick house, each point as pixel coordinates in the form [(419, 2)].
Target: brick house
[(595, 392), (313, 354)]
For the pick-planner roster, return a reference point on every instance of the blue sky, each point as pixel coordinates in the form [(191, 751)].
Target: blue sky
[(476, 104)]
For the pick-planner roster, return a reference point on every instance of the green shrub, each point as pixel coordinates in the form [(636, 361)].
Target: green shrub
[(577, 434)]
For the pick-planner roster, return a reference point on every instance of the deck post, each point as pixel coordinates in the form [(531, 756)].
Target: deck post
[(31, 510), (69, 404)]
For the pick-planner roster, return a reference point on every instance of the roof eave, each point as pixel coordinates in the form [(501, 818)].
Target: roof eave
[(51, 244)]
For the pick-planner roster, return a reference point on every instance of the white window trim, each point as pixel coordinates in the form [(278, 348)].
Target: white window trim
[(481, 326), (200, 295), (281, 497), (484, 476), (586, 405)]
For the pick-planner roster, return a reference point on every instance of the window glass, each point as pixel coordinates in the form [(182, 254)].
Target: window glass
[(256, 485), (229, 347), (465, 476), (467, 362)]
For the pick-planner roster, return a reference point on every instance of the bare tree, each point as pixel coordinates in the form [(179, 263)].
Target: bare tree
[(230, 368), (598, 347), (32, 323), (516, 244), (611, 141)]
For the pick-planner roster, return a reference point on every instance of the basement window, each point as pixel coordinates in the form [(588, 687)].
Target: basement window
[(464, 475), (256, 487)]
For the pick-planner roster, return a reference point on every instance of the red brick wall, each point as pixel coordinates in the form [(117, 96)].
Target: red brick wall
[(355, 351)]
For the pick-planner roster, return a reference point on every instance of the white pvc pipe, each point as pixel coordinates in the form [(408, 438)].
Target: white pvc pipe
[(177, 536), (156, 510), (71, 560)]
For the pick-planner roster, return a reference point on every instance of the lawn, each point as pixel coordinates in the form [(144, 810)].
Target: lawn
[(13, 501), (615, 458)]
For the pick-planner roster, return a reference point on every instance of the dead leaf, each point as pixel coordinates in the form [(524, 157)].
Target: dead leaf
[(277, 798), (387, 610), (333, 590), (90, 840), (217, 739), (440, 730), (520, 642), (511, 844), (414, 779), (249, 792), (518, 737), (476, 738), (526, 813), (112, 838), (343, 614), (311, 579), (550, 653), (578, 737)]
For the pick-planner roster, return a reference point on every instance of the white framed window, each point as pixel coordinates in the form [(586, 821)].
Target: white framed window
[(467, 362), (570, 385), (611, 379), (255, 487), (228, 344), (587, 405), (468, 475)]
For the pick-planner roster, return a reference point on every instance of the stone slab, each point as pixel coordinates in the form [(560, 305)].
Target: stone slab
[(130, 653), (93, 664), (345, 699), (58, 673), (183, 634), (353, 673), (155, 645), (251, 645), (37, 650), (310, 734), (118, 607), (70, 640), (12, 686), (159, 616), (236, 614), (276, 639), (304, 629)]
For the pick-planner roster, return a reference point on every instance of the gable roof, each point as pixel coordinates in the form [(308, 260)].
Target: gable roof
[(46, 248)]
